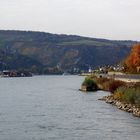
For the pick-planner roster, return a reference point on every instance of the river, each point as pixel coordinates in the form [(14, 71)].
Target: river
[(52, 108)]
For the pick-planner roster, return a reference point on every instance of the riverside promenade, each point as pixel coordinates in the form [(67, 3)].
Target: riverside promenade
[(117, 76), (126, 77)]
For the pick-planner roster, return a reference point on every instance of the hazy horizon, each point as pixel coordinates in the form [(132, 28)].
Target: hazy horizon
[(110, 19)]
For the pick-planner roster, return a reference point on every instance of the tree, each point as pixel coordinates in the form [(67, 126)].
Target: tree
[(132, 62)]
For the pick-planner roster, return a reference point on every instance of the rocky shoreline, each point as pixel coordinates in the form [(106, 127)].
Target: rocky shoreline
[(121, 105)]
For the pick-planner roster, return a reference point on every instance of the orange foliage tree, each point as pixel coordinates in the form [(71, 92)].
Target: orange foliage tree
[(132, 62)]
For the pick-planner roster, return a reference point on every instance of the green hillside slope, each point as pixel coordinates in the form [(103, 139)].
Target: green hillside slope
[(66, 52)]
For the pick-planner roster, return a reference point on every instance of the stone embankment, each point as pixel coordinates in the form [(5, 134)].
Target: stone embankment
[(121, 105)]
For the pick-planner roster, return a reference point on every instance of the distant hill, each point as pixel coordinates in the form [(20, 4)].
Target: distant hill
[(40, 50)]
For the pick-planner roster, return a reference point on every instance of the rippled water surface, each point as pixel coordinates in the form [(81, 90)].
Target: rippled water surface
[(52, 108)]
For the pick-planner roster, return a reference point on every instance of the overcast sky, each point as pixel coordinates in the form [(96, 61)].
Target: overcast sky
[(112, 19)]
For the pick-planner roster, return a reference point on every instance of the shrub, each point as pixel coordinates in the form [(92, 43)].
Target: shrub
[(90, 83), (137, 84), (106, 85), (110, 84), (128, 94), (101, 80), (137, 96), (113, 85), (118, 94)]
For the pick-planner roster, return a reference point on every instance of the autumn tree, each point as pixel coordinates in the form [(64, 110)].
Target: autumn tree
[(132, 62)]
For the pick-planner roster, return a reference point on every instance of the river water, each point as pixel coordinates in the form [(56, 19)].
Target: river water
[(52, 108)]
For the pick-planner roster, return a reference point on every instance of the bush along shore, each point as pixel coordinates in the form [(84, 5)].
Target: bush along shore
[(89, 85), (125, 96)]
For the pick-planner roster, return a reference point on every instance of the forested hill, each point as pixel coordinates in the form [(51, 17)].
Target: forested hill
[(40, 50)]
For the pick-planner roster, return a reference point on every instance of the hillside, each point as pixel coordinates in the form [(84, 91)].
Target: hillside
[(26, 49)]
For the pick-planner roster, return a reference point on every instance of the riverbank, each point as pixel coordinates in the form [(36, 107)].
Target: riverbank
[(124, 95), (122, 105)]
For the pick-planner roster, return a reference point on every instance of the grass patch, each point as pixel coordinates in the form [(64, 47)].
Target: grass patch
[(86, 42), (128, 94)]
